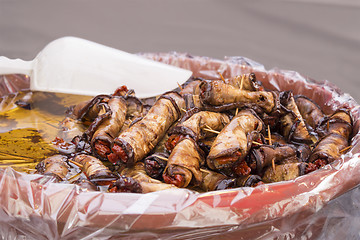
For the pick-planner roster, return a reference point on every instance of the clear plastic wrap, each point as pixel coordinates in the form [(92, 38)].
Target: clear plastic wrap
[(311, 206)]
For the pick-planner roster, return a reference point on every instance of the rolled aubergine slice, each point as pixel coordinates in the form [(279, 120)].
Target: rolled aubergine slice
[(54, 166), (107, 130), (245, 82), (264, 155), (190, 93), (183, 165), (284, 172), (328, 149), (155, 165), (87, 111), (95, 170), (233, 143), (340, 122), (196, 126), (219, 96), (310, 111), (337, 130), (292, 125), (135, 179), (133, 144), (213, 181)]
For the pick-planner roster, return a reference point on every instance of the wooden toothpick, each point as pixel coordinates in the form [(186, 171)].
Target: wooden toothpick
[(221, 76), (236, 111), (205, 170), (74, 176), (273, 164), (162, 158), (345, 149), (327, 125), (242, 81), (181, 88), (76, 163), (211, 130), (269, 135)]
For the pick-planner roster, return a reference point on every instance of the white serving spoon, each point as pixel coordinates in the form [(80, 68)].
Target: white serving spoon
[(77, 66)]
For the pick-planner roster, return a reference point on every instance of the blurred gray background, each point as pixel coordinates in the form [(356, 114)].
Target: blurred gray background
[(318, 38)]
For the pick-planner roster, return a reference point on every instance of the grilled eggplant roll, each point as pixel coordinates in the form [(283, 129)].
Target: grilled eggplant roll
[(284, 172), (219, 96), (54, 166), (328, 149), (155, 165), (249, 181), (190, 93), (310, 111), (245, 82), (195, 125), (264, 155), (292, 127), (95, 170), (138, 174), (233, 143), (183, 165), (125, 184), (89, 110), (340, 122), (136, 142), (109, 128), (213, 181), (336, 131)]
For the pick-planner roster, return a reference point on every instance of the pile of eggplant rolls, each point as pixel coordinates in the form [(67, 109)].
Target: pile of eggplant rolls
[(207, 135)]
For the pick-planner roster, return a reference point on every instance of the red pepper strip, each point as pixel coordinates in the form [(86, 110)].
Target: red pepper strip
[(319, 163), (227, 159), (113, 158), (120, 153), (178, 180), (102, 148), (172, 141), (241, 169)]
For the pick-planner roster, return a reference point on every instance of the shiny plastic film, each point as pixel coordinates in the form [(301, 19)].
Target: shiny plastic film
[(323, 204)]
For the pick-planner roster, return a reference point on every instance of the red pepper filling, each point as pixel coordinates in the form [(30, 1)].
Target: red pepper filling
[(241, 169), (121, 91), (113, 158), (60, 143), (172, 141), (153, 168), (119, 151), (319, 163), (102, 148), (228, 159), (178, 180)]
